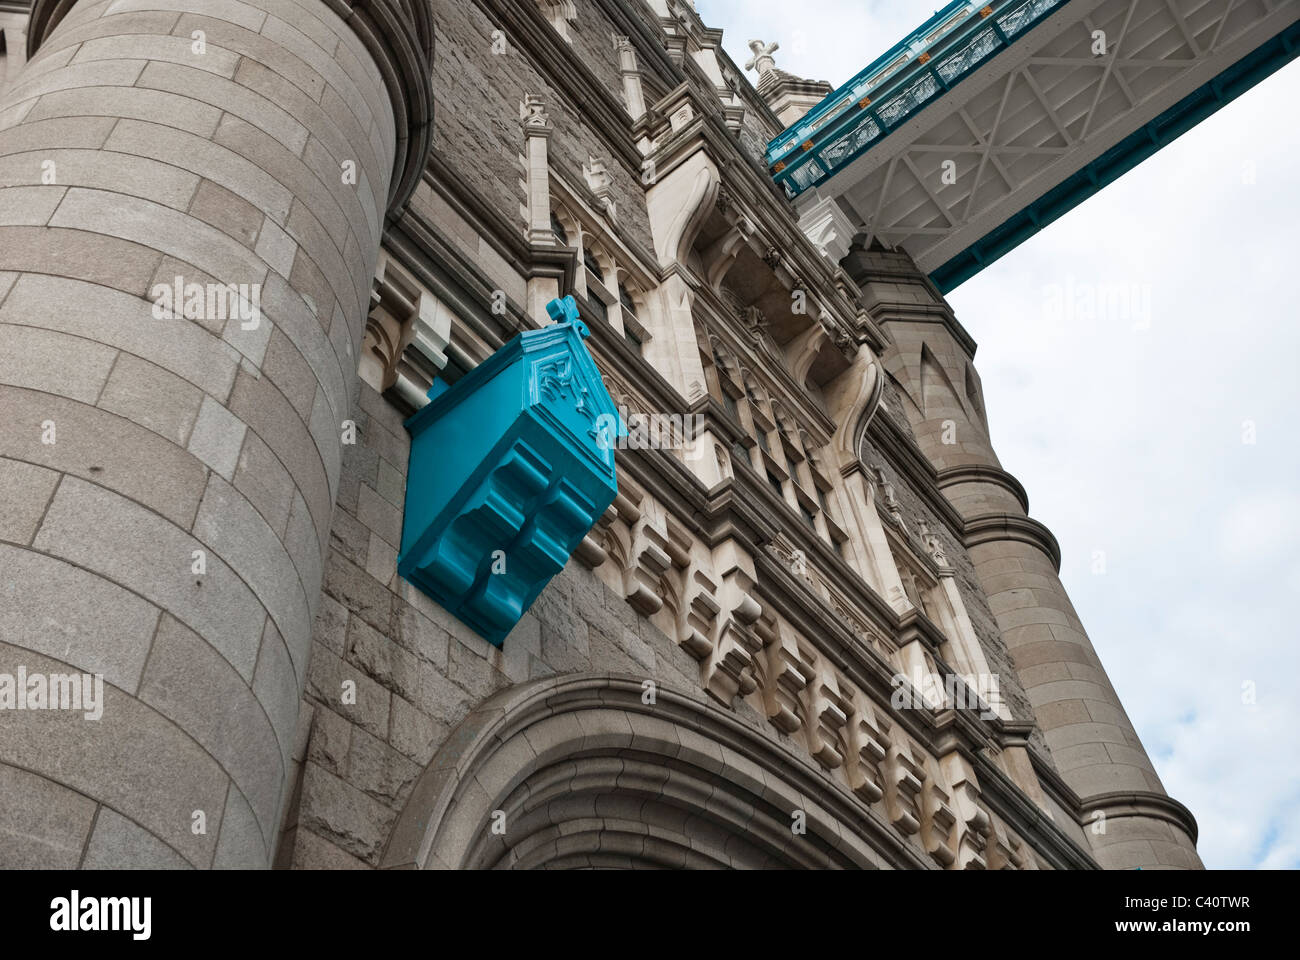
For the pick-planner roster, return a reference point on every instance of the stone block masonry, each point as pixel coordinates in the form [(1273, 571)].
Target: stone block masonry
[(176, 477)]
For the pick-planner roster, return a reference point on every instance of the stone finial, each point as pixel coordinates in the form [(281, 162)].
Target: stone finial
[(533, 115), (762, 60)]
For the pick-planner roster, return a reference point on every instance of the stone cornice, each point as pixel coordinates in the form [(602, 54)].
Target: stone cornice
[(399, 36), (1142, 803), (981, 473), (992, 527)]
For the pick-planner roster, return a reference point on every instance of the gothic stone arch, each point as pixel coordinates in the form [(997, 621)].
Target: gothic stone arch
[(587, 775)]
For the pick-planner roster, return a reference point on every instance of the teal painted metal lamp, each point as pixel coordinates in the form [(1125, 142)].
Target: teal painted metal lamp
[(510, 469)]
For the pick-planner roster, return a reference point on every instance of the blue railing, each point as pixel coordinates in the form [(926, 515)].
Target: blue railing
[(926, 64)]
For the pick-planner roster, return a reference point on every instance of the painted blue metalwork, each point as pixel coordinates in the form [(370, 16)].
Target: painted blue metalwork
[(510, 469), (939, 54), (1121, 158)]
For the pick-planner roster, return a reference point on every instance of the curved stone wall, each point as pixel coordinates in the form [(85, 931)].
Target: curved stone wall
[(171, 474)]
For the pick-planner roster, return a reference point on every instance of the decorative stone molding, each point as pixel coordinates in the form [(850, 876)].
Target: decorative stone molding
[(828, 229), (601, 185), (888, 499), (407, 333), (938, 824), (829, 713), (729, 670)]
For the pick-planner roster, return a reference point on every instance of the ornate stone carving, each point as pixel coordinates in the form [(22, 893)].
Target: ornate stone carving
[(888, 497), (601, 184), (933, 546)]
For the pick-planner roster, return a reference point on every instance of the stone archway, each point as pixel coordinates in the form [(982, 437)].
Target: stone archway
[(579, 772)]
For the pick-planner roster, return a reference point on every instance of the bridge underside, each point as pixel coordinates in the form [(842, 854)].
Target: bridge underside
[(981, 163)]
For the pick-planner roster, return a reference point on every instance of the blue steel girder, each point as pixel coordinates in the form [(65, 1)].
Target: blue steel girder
[(992, 120)]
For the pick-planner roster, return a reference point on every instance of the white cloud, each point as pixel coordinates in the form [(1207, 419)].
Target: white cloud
[(1131, 440)]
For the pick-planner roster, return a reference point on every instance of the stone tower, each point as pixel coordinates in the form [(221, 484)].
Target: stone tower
[(239, 242)]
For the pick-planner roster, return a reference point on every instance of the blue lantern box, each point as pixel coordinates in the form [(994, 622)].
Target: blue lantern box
[(510, 469)]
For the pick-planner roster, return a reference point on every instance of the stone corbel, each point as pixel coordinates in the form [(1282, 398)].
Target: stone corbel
[(648, 561), (699, 613), (868, 742), (802, 351), (938, 825), (407, 332), (785, 677), (591, 551), (829, 713), (729, 670), (852, 399), (1000, 854), (973, 825), (828, 229), (722, 253), (903, 784)]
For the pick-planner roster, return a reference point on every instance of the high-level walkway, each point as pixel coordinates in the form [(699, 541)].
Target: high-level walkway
[(991, 120)]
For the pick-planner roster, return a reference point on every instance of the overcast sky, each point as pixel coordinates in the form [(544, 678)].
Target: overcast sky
[(1131, 428)]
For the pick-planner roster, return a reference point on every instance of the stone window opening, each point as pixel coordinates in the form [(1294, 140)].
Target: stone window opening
[(628, 307), (775, 484), (557, 228)]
